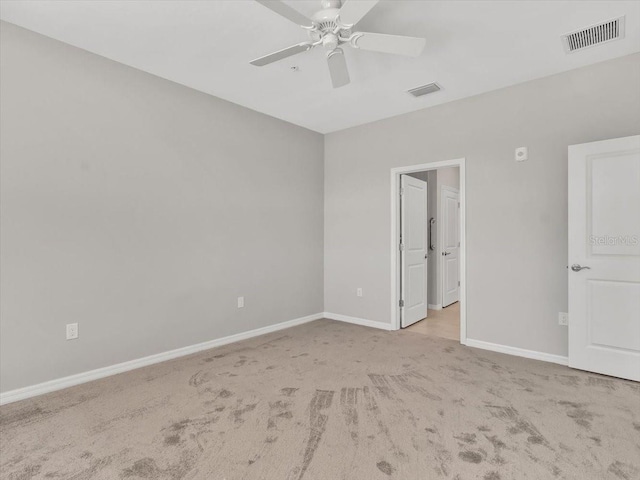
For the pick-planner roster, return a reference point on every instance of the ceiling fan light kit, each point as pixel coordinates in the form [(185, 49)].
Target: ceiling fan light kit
[(331, 27)]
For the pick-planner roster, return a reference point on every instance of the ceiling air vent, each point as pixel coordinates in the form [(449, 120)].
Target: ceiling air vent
[(424, 89), (594, 35)]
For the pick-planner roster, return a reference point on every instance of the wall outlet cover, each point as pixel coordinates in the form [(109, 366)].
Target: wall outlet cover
[(359, 292), (72, 331), (240, 302)]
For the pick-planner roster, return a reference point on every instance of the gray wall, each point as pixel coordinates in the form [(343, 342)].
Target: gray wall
[(141, 209), (516, 212), (449, 177)]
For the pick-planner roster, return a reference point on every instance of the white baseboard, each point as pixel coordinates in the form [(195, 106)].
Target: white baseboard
[(358, 321), (434, 307), (72, 380), (519, 352)]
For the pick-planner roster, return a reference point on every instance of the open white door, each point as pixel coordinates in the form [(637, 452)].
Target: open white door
[(604, 257), (413, 250), (450, 224)]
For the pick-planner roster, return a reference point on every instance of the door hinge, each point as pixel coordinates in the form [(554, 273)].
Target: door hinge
[(458, 282), (401, 303), (458, 204), (402, 247), (401, 190)]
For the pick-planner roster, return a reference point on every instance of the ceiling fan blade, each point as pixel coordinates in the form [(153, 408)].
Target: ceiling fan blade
[(338, 68), (396, 44), (280, 54), (354, 10), (287, 12)]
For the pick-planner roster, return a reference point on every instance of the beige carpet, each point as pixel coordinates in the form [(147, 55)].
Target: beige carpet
[(328, 400)]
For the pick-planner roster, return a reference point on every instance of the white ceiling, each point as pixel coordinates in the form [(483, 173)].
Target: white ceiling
[(472, 47)]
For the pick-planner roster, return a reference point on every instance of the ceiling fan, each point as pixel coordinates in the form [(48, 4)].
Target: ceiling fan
[(332, 27)]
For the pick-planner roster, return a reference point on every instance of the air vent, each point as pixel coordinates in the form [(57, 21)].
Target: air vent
[(594, 35), (424, 89)]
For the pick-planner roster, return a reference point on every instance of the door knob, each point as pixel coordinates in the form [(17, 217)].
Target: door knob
[(576, 268), (449, 253)]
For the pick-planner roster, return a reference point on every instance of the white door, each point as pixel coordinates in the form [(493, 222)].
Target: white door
[(413, 250), (450, 251), (604, 257)]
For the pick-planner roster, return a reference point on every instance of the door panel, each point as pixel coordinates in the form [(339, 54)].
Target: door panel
[(606, 297), (451, 276), (450, 222), (614, 188), (604, 235), (413, 227), (415, 294)]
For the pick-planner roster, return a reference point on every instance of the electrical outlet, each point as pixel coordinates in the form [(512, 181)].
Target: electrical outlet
[(359, 292), (72, 331), (563, 318), (240, 302)]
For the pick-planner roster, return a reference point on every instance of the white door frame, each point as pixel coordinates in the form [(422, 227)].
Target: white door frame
[(440, 280), (395, 239)]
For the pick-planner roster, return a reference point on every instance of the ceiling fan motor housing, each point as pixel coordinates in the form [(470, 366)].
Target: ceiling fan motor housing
[(327, 28)]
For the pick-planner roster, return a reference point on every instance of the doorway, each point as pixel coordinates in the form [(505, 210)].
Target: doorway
[(428, 256)]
